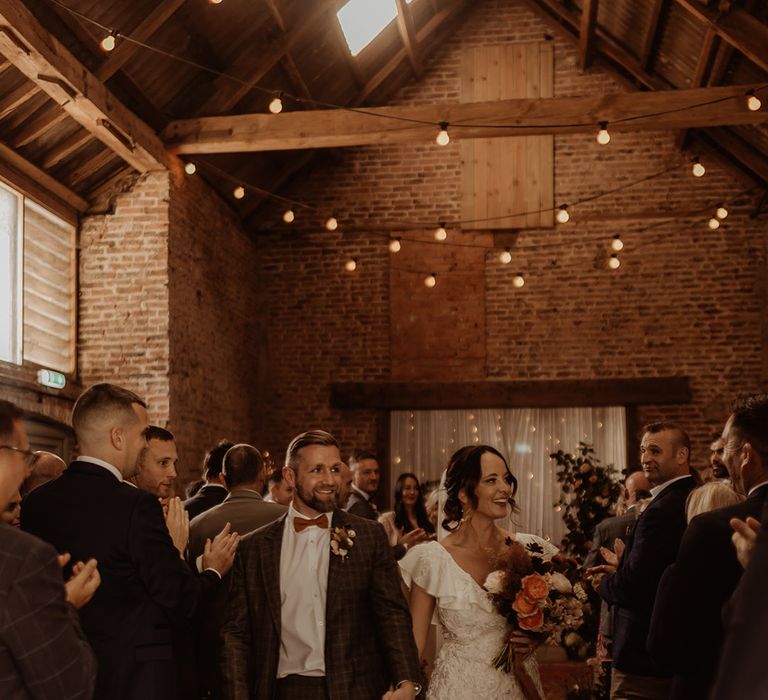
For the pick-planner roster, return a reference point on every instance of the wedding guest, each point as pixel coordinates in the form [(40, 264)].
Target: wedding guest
[(192, 488), (157, 463), (146, 586), (214, 491), (365, 483), (664, 454), (326, 566), (742, 671), (48, 466), (431, 505), (345, 488), (407, 524), (43, 653), (12, 512), (278, 489), (710, 496), (719, 470)]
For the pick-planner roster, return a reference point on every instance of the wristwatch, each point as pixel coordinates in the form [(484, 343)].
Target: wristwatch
[(416, 686)]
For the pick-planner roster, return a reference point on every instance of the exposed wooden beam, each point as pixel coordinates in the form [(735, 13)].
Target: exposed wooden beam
[(255, 62), (407, 31), (736, 26), (587, 32), (501, 394), (276, 14), (702, 72), (65, 148), (748, 154), (36, 182), (82, 171), (651, 33), (12, 100), (671, 109), (39, 124), (124, 50), (50, 65), (352, 63)]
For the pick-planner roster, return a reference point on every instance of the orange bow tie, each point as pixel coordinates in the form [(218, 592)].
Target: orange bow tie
[(300, 524)]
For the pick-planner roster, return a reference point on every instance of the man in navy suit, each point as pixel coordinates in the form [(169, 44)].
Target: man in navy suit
[(147, 589), (687, 631), (665, 453), (214, 490)]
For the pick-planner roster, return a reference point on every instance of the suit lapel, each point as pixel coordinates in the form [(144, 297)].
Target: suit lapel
[(270, 569), (335, 571)]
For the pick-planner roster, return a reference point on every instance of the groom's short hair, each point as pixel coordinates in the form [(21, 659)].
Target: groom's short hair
[(310, 437)]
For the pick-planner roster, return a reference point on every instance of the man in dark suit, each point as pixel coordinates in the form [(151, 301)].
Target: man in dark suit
[(316, 610), (665, 452), (365, 483), (43, 652), (214, 491), (743, 672), (146, 587)]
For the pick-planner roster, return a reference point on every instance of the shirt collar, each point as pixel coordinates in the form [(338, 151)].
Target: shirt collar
[(758, 486), (656, 490), (360, 492), (214, 486), (101, 463)]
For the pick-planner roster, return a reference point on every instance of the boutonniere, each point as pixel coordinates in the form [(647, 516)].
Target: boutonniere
[(342, 540)]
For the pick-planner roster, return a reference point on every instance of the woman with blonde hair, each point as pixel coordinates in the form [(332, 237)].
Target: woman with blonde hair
[(710, 496)]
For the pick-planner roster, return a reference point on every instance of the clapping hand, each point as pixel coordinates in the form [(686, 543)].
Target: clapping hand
[(743, 538), (406, 691), (177, 522), (81, 586), (611, 557), (413, 537), (220, 554)]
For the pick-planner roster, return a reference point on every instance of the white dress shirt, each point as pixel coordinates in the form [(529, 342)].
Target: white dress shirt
[(304, 559), (111, 468), (757, 486), (656, 490)]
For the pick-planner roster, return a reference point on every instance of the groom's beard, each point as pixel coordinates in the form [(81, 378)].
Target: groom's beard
[(321, 502)]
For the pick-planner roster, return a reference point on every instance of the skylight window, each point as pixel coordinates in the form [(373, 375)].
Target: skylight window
[(363, 20)]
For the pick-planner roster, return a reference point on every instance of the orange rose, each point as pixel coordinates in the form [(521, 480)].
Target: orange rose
[(522, 606), (535, 587), (532, 623)]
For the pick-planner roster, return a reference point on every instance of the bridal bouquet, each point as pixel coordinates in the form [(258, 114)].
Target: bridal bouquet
[(541, 599)]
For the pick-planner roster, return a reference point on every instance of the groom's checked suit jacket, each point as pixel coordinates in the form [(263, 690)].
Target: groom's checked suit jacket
[(368, 641)]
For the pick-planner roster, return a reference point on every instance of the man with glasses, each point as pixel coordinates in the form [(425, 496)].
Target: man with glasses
[(43, 652)]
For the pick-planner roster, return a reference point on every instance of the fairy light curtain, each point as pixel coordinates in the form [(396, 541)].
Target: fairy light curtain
[(423, 441)]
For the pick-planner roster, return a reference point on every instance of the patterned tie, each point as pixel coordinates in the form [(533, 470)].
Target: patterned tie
[(300, 524)]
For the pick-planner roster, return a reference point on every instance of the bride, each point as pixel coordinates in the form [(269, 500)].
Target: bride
[(448, 577)]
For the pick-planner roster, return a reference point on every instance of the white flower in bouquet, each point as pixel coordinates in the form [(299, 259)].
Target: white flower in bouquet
[(580, 593), (560, 582), (494, 582)]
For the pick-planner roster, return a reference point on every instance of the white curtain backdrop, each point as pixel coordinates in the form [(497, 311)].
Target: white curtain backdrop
[(422, 442)]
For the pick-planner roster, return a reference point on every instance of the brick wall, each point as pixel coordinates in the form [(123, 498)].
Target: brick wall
[(686, 300)]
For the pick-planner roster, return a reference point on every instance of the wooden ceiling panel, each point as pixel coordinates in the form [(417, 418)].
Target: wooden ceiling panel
[(679, 45), (621, 20)]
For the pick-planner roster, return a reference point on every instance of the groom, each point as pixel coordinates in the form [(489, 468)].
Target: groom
[(316, 610)]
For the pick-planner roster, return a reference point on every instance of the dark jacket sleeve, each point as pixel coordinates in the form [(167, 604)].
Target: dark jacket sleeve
[(598, 540), (42, 632), (237, 641)]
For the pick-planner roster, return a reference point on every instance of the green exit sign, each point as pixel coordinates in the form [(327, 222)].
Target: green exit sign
[(47, 377)]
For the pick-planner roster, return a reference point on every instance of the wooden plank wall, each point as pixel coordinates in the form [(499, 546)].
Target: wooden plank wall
[(502, 178)]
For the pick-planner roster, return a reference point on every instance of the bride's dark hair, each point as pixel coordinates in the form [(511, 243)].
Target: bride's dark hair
[(464, 472)]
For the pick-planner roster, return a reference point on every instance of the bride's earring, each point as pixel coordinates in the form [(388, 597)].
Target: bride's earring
[(466, 515)]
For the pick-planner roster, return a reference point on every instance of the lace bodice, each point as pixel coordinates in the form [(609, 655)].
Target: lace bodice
[(473, 631)]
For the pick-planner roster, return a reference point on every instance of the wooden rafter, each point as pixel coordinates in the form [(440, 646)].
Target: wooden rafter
[(17, 97), (747, 154), (407, 31), (53, 68), (651, 34), (671, 109), (255, 62), (41, 122), (276, 14), (352, 63), (736, 26), (702, 72), (66, 148), (587, 32)]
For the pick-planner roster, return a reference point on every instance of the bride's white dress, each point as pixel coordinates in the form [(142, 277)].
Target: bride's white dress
[(473, 631)]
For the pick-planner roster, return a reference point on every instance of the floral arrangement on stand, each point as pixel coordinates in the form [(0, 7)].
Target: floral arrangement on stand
[(541, 599), (588, 492)]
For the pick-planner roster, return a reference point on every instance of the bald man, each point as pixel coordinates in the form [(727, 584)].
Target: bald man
[(47, 467)]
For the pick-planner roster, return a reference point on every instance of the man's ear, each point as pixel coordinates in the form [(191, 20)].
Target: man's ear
[(683, 455), (290, 476), (116, 437)]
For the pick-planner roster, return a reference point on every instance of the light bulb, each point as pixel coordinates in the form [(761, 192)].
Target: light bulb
[(518, 280), (215, 2), (430, 280), (190, 168), (288, 216), (613, 262), (753, 101), (714, 223), (562, 215), (721, 212), (350, 265), (109, 42), (440, 233), (276, 105), (617, 244), (331, 223), (506, 257), (698, 169), (394, 245), (239, 192), (603, 137), (442, 138)]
